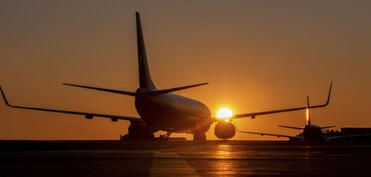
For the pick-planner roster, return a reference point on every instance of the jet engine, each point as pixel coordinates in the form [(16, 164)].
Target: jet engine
[(224, 130)]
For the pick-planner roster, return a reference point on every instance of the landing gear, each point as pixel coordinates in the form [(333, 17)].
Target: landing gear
[(199, 137), (138, 132), (164, 137), (167, 136)]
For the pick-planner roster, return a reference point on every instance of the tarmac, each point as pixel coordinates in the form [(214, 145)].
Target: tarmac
[(182, 158)]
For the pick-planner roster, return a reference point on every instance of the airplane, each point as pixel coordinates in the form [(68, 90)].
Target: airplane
[(160, 109), (310, 132)]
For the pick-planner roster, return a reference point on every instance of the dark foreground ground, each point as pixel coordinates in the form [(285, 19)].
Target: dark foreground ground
[(211, 158)]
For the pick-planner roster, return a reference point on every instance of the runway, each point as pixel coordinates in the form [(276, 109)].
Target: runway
[(184, 158)]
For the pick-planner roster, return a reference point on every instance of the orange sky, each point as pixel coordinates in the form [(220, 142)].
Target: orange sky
[(256, 55)]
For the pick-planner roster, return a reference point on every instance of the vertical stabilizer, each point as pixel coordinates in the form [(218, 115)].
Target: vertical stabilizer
[(145, 80), (308, 113)]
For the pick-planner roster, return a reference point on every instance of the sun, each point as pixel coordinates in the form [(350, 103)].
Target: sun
[(224, 113)]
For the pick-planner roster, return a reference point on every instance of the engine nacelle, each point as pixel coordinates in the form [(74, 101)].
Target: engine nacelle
[(224, 130)]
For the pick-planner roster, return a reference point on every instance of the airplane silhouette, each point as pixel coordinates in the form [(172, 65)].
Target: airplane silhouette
[(310, 132), (159, 109)]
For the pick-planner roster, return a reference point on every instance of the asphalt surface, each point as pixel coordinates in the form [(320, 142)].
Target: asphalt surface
[(185, 158)]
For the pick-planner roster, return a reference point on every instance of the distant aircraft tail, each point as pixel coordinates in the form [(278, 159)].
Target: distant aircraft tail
[(145, 80), (308, 113)]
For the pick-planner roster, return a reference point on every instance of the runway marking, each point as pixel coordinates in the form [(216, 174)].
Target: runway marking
[(171, 164)]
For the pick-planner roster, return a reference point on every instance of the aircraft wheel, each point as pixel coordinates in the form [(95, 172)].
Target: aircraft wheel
[(199, 137), (138, 132)]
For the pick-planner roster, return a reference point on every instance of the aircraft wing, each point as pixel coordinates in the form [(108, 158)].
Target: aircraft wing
[(277, 135), (330, 126), (297, 128), (86, 114), (331, 138), (254, 114)]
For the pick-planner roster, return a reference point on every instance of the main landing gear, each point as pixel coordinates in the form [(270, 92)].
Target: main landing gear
[(138, 131), (199, 137)]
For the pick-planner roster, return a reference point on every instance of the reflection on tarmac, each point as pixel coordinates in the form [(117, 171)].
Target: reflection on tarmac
[(212, 158)]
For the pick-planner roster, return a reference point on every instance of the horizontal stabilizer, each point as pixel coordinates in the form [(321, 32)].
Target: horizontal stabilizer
[(102, 89), (284, 126), (159, 92)]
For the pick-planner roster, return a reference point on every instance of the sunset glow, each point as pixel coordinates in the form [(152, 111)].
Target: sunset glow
[(257, 56), (224, 113), (307, 114)]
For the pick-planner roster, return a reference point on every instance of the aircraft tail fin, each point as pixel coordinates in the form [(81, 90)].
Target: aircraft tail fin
[(308, 113), (145, 80)]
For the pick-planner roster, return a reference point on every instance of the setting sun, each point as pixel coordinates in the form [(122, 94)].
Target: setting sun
[(224, 113)]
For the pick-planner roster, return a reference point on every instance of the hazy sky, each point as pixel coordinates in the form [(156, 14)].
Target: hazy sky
[(256, 55)]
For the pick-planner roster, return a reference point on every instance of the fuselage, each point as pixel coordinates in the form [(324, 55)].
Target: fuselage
[(174, 113), (313, 132)]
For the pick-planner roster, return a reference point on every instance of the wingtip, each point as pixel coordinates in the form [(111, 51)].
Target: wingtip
[(3, 94), (329, 93), (308, 106), (67, 84)]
